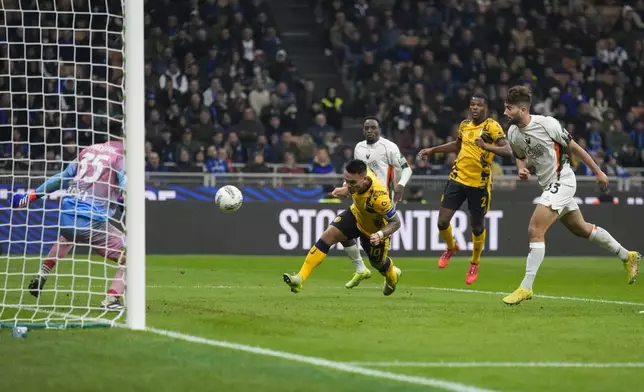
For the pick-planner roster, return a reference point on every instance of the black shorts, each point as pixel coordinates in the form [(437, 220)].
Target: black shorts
[(346, 223), (455, 194)]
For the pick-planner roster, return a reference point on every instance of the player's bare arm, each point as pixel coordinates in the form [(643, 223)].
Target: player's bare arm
[(522, 168), (501, 147), (519, 160), (446, 148), (392, 226), (399, 191), (341, 193), (602, 178)]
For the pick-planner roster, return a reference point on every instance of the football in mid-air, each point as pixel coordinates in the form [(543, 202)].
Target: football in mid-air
[(229, 198)]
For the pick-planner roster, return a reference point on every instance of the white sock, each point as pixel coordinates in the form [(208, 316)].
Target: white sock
[(603, 238), (353, 252), (44, 271), (535, 257)]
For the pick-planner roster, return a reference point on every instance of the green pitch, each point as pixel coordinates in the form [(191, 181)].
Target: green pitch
[(243, 300)]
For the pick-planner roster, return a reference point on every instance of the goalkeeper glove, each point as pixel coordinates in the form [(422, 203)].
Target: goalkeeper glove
[(21, 200)]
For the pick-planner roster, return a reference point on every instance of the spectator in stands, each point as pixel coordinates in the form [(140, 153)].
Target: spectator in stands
[(165, 147), (421, 167), (211, 92), (53, 164), (613, 169), (200, 159), (436, 54), (235, 150), (258, 165), (259, 97), (173, 75), (332, 105), (185, 163), (341, 160), (214, 163), (154, 164), (69, 151), (20, 161), (274, 127), (322, 162), (289, 165), (548, 106), (205, 129), (219, 70), (637, 134), (271, 44), (154, 127), (321, 128), (305, 146), (249, 128), (271, 155), (188, 144)]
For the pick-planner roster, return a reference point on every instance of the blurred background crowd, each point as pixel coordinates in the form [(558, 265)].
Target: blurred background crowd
[(224, 91)]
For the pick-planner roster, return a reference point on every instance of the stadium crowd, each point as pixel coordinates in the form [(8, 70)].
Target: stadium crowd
[(223, 95), (416, 63), (222, 90)]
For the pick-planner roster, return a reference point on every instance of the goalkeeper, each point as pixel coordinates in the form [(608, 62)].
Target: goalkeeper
[(93, 181)]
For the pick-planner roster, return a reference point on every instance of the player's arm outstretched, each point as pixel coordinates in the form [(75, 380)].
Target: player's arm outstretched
[(384, 206), (454, 146), (579, 152), (560, 136), (52, 184)]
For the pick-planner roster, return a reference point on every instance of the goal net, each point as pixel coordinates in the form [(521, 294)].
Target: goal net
[(61, 85)]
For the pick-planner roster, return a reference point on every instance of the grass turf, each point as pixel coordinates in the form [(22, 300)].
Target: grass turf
[(243, 300)]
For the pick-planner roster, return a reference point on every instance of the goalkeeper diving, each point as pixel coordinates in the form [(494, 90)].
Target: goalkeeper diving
[(94, 181)]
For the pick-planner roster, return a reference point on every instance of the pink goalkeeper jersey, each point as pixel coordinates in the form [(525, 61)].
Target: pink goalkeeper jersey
[(98, 179)]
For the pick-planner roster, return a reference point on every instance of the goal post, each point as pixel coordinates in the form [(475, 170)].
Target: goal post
[(135, 162), (68, 70)]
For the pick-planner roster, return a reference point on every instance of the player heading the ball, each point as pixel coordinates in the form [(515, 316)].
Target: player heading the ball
[(371, 218), (94, 181), (383, 157)]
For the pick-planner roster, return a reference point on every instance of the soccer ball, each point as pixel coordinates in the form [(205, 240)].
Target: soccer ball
[(229, 198)]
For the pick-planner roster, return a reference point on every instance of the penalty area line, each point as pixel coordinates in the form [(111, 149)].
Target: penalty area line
[(501, 364), (323, 363)]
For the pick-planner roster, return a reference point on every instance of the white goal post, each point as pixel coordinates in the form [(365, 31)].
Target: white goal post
[(135, 161), (68, 70)]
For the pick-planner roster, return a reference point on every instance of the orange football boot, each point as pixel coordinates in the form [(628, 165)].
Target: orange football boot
[(444, 259), (472, 273)]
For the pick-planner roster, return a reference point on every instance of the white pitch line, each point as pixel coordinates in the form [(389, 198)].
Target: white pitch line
[(324, 363), (315, 361), (562, 298), (448, 289), (501, 364)]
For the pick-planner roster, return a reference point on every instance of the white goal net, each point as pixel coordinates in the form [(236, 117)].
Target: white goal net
[(61, 90)]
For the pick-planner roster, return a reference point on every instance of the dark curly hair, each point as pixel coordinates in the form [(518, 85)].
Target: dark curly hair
[(519, 95)]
